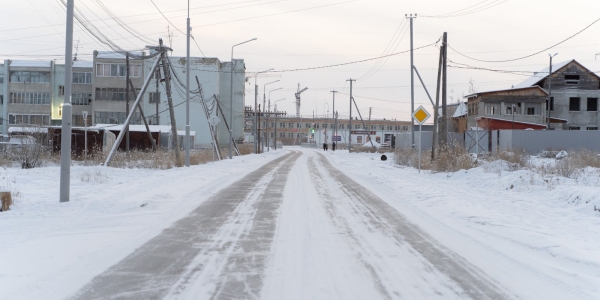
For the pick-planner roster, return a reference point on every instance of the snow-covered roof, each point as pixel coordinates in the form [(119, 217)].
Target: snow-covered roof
[(115, 55), (537, 76), (461, 110), (31, 63), (506, 90), (140, 128), (28, 129), (507, 120), (83, 64)]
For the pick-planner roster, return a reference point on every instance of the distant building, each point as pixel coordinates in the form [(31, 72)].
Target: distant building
[(293, 130)]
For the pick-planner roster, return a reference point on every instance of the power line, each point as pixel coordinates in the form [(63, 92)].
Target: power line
[(530, 55), (481, 6)]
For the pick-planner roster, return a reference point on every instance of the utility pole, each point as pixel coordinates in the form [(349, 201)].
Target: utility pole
[(436, 113), (255, 117), (370, 120), (350, 123), (171, 109), (334, 119), (275, 139), (157, 95), (549, 88), (187, 93), (412, 79), (65, 138), (444, 122), (258, 128), (127, 100)]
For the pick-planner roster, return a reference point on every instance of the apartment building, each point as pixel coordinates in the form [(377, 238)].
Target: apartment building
[(292, 130), (109, 86)]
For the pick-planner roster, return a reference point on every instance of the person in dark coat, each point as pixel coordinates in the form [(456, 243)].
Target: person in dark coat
[(333, 146), (324, 146)]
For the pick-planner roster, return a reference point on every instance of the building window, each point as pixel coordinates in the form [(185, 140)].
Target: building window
[(573, 128), (341, 126), (61, 90), (118, 70), (281, 125), (373, 127), (114, 94), (110, 117), (324, 126), (571, 79), (492, 108), (389, 127), (532, 109), (29, 76), (290, 125), (291, 135), (592, 128), (28, 119), (307, 125), (592, 104), (154, 97), (30, 98), (282, 134), (1, 79), (81, 99), (1, 99), (380, 127), (82, 77), (317, 125), (551, 103), (298, 125), (574, 103)]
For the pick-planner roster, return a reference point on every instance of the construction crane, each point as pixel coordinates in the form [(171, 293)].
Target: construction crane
[(297, 94)]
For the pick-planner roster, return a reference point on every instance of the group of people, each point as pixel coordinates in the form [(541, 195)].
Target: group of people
[(326, 147)]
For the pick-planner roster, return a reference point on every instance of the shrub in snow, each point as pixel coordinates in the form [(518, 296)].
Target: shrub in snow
[(562, 154), (6, 200)]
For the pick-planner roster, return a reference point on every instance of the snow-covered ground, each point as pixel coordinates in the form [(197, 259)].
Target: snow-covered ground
[(52, 248), (536, 237)]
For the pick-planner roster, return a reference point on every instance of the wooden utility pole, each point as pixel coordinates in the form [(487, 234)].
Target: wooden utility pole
[(443, 122), (370, 119), (152, 141), (157, 95), (258, 129), (165, 65), (437, 105), (127, 100)]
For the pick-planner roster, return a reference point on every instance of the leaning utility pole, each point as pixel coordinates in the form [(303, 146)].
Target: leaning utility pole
[(139, 106), (165, 65), (350, 123), (443, 122), (65, 134), (412, 80), (127, 100), (157, 95)]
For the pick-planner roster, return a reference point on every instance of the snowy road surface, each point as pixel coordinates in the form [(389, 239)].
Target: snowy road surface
[(297, 228), (300, 224)]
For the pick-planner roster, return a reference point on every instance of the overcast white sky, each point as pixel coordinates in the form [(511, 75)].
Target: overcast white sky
[(299, 34)]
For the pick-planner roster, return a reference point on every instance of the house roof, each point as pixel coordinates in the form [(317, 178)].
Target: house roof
[(83, 64), (140, 128), (461, 110), (541, 75), (509, 121), (116, 55), (507, 90), (31, 63)]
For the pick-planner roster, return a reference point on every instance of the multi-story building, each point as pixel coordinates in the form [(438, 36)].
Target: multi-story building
[(575, 94), (293, 130)]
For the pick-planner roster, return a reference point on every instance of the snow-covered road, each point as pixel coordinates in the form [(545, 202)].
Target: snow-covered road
[(302, 224), (297, 228)]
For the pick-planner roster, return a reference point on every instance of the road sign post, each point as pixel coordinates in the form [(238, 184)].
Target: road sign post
[(420, 115)]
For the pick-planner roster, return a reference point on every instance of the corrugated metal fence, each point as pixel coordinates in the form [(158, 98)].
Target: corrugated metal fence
[(532, 141)]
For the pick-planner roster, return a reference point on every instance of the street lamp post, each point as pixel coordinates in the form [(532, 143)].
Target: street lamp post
[(550, 87), (267, 135), (275, 110), (187, 92), (256, 110), (264, 106), (85, 115), (231, 98)]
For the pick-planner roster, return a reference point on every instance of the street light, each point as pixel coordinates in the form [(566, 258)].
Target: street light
[(550, 87), (85, 115), (231, 98), (275, 110), (256, 110), (268, 121), (263, 108)]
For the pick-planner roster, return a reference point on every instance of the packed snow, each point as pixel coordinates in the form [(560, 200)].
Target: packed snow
[(535, 236)]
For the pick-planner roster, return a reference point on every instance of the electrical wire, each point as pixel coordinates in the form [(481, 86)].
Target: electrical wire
[(481, 6), (530, 55), (392, 41)]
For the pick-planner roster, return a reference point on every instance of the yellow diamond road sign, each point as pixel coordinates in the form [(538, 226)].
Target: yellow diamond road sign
[(420, 115)]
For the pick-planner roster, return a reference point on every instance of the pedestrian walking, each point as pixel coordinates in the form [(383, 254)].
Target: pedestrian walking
[(333, 146), (324, 146)]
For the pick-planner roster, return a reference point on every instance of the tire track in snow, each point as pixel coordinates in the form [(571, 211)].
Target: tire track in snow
[(151, 271), (378, 214)]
